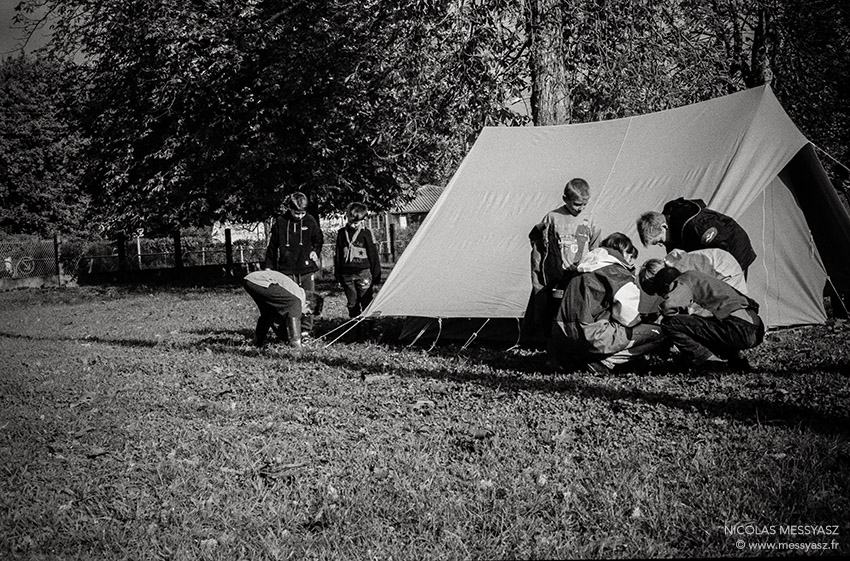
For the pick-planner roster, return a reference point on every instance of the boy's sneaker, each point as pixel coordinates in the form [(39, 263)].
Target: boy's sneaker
[(598, 367)]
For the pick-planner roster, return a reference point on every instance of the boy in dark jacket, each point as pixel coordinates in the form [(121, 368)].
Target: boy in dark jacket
[(294, 247), (689, 225), (357, 266)]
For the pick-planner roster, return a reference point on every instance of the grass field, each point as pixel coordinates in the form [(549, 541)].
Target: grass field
[(140, 424)]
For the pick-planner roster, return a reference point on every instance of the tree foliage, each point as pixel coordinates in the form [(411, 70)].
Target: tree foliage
[(40, 149), (212, 109), (811, 65)]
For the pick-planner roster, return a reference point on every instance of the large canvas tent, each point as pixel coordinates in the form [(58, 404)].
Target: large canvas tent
[(740, 153)]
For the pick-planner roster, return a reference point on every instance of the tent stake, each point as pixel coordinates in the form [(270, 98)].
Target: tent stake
[(474, 335), (421, 332)]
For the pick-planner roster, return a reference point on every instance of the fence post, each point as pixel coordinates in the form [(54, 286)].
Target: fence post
[(57, 241), (392, 242), (122, 252), (139, 250), (387, 230), (178, 251), (228, 252)]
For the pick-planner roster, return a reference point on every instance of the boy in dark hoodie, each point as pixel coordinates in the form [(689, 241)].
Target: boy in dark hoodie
[(357, 266), (294, 247)]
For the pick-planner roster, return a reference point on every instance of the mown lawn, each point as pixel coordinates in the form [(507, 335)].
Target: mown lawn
[(140, 424)]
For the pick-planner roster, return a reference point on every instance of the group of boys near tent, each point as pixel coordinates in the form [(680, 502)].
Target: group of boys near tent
[(285, 290), (586, 297), (586, 292)]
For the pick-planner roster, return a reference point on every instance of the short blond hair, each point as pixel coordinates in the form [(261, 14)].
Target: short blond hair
[(650, 225)]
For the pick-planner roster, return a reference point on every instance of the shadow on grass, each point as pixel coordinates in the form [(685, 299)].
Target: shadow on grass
[(529, 378), (138, 343), (226, 337), (755, 411)]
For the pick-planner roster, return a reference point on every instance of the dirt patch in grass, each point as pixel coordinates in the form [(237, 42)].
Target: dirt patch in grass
[(143, 424)]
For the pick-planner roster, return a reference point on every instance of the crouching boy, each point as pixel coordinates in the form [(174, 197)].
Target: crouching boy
[(281, 302), (709, 321), (598, 323)]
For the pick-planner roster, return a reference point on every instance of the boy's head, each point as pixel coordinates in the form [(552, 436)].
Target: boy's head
[(652, 228), (622, 243), (655, 277), (315, 303), (356, 213), (646, 276), (296, 204), (576, 195)]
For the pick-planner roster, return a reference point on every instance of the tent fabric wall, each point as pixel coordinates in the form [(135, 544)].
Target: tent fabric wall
[(470, 257)]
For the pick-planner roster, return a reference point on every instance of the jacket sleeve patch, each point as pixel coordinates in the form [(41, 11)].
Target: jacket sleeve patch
[(708, 236)]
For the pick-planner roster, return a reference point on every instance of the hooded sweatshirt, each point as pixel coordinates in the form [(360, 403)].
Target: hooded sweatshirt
[(291, 241), (599, 308)]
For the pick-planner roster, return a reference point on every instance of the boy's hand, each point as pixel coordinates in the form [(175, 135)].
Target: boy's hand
[(314, 256)]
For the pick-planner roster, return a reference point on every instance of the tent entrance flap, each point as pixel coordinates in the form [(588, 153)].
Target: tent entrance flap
[(826, 216)]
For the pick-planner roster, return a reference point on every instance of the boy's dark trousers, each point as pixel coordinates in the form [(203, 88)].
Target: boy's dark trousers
[(543, 307), (697, 337), (276, 306), (358, 291)]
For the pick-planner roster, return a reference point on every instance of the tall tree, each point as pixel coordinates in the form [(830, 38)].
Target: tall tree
[(40, 149), (206, 110), (547, 61), (811, 65)]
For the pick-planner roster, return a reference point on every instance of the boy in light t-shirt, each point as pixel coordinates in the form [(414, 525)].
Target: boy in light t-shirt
[(558, 244)]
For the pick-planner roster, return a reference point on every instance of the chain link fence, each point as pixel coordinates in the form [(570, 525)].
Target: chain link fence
[(27, 258), (94, 257), (31, 261)]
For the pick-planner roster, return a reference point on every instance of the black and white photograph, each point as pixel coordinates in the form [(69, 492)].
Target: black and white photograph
[(428, 280)]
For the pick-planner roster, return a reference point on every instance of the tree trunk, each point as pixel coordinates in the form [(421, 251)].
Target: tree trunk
[(550, 96), (760, 62)]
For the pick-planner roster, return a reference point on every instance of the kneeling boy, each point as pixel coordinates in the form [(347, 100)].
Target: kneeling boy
[(709, 321), (598, 323)]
